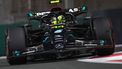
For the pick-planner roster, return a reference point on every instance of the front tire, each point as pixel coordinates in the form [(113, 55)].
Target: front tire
[(104, 36), (15, 45)]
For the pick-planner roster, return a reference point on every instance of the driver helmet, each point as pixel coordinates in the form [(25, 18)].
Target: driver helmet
[(57, 20)]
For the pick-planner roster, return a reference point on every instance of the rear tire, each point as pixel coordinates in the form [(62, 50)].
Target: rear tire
[(103, 31), (15, 41)]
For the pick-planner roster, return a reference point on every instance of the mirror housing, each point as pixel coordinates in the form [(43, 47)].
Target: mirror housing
[(84, 8), (30, 14)]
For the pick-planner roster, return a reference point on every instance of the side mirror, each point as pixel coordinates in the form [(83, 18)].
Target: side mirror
[(83, 8), (30, 14)]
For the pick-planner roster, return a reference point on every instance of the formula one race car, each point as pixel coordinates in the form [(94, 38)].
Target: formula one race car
[(61, 34)]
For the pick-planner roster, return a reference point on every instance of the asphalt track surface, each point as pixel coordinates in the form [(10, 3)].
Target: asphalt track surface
[(71, 63)]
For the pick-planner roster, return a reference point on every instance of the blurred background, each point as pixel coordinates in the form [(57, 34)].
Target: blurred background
[(13, 13), (15, 10)]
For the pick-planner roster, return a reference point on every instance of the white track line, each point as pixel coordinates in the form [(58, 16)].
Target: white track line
[(106, 59), (118, 45), (3, 57)]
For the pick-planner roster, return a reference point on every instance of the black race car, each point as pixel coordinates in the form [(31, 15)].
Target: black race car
[(59, 35)]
